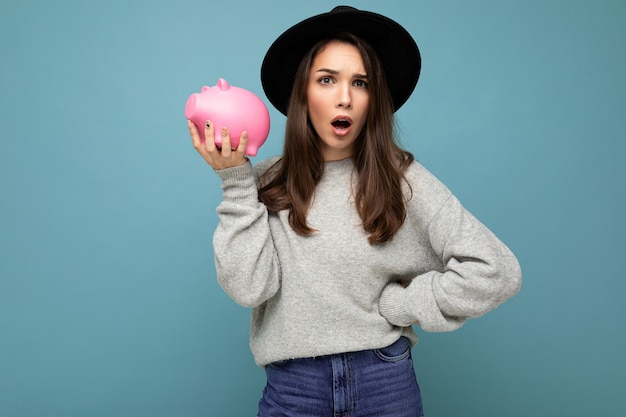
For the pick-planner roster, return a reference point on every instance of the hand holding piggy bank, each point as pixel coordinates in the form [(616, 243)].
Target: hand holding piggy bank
[(231, 107)]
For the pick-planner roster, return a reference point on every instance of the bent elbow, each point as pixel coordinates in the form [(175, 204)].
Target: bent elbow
[(248, 300), (512, 278), (248, 293)]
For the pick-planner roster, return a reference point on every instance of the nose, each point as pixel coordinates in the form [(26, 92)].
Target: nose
[(344, 97)]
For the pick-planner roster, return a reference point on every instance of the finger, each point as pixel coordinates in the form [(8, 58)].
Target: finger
[(197, 142), (243, 142), (226, 149), (209, 136), (193, 132)]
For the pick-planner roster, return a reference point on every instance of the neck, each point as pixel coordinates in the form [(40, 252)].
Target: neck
[(330, 155)]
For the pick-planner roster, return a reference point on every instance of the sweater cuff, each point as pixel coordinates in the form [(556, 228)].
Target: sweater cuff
[(404, 306), (238, 184), (238, 172), (393, 305)]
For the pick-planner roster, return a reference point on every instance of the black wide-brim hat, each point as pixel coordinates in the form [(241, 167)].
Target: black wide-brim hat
[(395, 47)]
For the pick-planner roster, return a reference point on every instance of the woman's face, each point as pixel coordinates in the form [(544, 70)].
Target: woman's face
[(338, 98)]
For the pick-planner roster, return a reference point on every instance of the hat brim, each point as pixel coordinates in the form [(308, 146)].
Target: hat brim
[(396, 49)]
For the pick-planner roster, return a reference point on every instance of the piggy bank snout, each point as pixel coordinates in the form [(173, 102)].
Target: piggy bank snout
[(191, 108)]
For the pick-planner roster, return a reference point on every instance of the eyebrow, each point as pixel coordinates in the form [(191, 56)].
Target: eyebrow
[(335, 72)]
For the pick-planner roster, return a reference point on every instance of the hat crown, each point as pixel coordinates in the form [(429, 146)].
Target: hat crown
[(340, 9)]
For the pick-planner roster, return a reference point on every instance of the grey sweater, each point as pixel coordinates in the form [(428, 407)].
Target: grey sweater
[(332, 291)]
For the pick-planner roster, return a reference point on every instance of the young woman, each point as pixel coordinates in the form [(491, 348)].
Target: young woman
[(345, 242)]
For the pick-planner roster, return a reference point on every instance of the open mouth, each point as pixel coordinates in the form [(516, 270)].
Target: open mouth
[(341, 123)]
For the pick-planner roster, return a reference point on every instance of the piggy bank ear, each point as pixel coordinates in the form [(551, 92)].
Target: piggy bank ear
[(222, 84)]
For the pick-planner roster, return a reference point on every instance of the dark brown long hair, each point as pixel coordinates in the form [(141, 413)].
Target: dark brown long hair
[(379, 161)]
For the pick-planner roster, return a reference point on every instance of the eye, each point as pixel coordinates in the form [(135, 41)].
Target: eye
[(360, 83), (325, 80)]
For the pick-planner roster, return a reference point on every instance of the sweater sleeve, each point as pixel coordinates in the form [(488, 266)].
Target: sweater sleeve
[(479, 271), (245, 259)]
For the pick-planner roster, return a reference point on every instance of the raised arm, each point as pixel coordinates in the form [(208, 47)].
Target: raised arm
[(246, 263)]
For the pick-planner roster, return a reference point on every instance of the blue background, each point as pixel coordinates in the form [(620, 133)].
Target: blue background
[(108, 300)]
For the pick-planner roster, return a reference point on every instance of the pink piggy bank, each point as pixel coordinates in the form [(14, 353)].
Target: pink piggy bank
[(231, 107)]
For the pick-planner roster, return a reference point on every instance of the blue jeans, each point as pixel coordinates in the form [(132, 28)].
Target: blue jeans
[(379, 382)]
